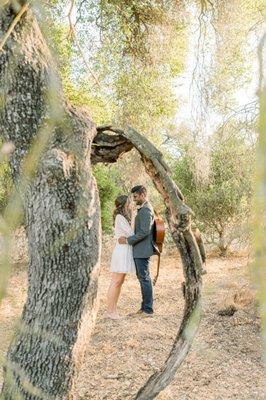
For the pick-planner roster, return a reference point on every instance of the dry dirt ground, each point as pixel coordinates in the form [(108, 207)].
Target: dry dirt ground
[(224, 362)]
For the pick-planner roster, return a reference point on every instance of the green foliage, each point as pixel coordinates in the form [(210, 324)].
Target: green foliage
[(142, 46), (132, 24), (145, 98), (222, 203), (107, 178), (238, 21)]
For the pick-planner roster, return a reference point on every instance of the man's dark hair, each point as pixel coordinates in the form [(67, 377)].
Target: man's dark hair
[(140, 189)]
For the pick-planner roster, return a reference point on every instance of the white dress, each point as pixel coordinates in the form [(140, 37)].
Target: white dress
[(122, 258)]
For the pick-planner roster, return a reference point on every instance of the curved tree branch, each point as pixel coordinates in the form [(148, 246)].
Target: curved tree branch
[(178, 216), (108, 148)]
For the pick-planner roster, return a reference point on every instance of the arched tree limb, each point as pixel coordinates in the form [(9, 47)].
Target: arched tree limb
[(178, 216), (108, 148)]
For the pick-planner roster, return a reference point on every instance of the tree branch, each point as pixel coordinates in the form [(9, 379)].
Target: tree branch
[(108, 148), (17, 18), (74, 36)]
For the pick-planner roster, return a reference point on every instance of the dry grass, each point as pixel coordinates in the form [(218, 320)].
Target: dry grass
[(238, 298), (224, 362)]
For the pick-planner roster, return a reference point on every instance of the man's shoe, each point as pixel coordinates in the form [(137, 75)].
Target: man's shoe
[(141, 313), (146, 314)]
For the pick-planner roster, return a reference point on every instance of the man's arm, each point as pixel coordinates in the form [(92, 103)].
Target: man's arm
[(146, 219)]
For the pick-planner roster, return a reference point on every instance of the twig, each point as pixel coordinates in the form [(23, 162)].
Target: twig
[(69, 15), (23, 9), (74, 36)]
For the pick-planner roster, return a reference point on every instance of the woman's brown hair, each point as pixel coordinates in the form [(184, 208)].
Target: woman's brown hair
[(120, 208)]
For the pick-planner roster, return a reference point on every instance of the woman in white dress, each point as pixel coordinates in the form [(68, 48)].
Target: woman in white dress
[(122, 261)]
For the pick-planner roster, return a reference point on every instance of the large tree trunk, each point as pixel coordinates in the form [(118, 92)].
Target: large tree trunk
[(61, 215)]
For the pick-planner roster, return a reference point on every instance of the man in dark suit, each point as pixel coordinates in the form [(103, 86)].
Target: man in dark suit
[(143, 246)]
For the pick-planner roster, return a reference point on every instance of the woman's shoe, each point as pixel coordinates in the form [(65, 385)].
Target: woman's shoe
[(114, 316)]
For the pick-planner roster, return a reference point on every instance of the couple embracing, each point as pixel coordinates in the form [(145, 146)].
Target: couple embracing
[(134, 247)]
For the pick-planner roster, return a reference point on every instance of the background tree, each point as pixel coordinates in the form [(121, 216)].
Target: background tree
[(222, 202), (223, 121)]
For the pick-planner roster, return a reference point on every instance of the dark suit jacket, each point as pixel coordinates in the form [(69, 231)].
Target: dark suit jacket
[(143, 239)]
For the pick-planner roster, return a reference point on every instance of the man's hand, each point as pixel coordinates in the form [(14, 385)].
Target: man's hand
[(122, 240)]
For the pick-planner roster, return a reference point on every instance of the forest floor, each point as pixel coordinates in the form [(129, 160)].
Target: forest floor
[(224, 362)]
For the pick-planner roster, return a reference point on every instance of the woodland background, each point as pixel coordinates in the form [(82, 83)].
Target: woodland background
[(186, 75), (182, 73)]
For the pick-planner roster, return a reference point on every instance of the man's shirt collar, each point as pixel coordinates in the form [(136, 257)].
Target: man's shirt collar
[(139, 207)]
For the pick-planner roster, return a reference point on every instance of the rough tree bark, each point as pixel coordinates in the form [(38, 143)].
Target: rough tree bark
[(62, 220), (61, 213)]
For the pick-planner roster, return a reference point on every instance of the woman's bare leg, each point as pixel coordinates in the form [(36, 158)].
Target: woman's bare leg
[(117, 280)]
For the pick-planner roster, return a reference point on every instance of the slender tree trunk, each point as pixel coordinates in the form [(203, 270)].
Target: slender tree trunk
[(222, 245), (61, 214)]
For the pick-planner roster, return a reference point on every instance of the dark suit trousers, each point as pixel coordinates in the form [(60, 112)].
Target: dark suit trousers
[(143, 275)]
